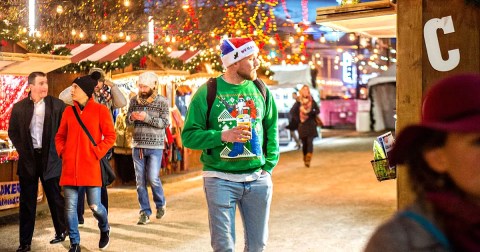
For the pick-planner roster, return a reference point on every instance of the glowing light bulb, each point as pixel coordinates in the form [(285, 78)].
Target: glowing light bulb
[(322, 39), (59, 9)]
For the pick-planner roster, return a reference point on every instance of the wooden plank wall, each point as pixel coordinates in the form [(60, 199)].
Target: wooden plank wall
[(415, 73)]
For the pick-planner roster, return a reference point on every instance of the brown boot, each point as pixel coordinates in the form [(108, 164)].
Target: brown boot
[(307, 159)]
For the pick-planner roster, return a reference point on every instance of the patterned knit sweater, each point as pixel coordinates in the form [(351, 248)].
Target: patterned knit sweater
[(149, 134)]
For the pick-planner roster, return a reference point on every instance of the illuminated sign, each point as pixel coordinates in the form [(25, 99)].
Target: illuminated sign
[(349, 69)]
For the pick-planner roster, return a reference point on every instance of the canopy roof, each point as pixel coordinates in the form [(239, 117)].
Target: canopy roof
[(373, 19), (100, 52), (113, 51), (25, 63)]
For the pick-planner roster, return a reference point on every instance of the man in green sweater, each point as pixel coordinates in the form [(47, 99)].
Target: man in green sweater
[(240, 147)]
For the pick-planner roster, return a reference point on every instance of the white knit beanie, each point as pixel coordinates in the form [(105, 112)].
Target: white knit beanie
[(148, 78)]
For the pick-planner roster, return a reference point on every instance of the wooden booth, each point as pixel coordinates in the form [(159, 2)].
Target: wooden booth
[(15, 66), (436, 38)]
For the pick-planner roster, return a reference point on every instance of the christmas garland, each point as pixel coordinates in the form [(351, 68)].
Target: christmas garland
[(133, 57)]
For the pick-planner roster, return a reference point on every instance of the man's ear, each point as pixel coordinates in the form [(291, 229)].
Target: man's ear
[(436, 159)]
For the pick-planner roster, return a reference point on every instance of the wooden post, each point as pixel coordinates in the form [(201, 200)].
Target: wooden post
[(420, 23)]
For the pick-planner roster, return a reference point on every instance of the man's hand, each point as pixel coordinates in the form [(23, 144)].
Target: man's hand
[(138, 116), (239, 134)]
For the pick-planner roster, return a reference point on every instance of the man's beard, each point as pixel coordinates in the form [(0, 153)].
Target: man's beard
[(247, 76), (145, 95)]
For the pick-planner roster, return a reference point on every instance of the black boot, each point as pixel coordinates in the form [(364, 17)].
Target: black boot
[(74, 248)]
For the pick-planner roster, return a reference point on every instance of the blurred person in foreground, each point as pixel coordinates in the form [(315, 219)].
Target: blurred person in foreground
[(236, 176), (108, 94), (307, 128), (33, 125), (81, 159), (442, 155), (149, 114)]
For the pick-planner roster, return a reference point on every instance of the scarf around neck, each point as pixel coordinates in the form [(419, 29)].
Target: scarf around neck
[(305, 107), (461, 218), (149, 100)]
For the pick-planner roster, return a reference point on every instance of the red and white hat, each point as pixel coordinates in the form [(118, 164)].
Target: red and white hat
[(235, 49)]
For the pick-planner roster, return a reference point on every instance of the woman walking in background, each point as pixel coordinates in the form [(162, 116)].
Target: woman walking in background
[(307, 129)]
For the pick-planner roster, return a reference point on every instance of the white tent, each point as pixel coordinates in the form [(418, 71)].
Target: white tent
[(291, 75), (382, 92)]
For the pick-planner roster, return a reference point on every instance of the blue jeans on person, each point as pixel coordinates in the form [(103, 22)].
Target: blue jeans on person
[(147, 166), (93, 199), (81, 201), (253, 200)]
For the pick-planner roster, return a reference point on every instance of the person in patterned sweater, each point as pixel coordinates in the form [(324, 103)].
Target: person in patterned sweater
[(148, 113)]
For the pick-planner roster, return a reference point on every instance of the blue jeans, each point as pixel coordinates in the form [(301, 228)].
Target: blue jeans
[(93, 199), (148, 167), (253, 200)]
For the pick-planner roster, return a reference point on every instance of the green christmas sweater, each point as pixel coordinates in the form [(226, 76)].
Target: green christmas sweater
[(233, 104)]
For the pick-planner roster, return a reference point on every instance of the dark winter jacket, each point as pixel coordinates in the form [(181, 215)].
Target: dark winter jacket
[(309, 127), (19, 133)]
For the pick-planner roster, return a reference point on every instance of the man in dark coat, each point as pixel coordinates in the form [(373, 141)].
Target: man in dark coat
[(33, 125)]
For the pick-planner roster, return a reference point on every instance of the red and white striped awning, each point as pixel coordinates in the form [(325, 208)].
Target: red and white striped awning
[(111, 52), (100, 52), (184, 55)]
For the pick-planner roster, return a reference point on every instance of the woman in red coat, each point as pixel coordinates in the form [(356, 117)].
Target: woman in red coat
[(81, 159)]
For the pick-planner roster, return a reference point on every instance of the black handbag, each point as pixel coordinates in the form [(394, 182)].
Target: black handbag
[(108, 175)]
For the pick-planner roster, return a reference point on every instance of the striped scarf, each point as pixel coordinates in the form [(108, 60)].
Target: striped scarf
[(149, 100)]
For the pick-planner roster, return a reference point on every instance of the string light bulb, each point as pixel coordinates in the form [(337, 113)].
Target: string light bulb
[(291, 39), (59, 9), (103, 37), (322, 38)]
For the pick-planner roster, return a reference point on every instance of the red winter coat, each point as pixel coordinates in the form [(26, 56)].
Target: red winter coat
[(80, 159)]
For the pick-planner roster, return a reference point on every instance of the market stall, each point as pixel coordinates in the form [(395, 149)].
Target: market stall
[(168, 82), (14, 69)]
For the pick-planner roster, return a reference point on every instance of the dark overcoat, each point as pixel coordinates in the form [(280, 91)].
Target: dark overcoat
[(308, 128), (19, 134)]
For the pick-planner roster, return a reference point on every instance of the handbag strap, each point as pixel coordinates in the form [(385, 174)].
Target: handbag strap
[(83, 126), (429, 227)]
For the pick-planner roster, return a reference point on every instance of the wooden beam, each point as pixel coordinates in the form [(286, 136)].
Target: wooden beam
[(361, 10)]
